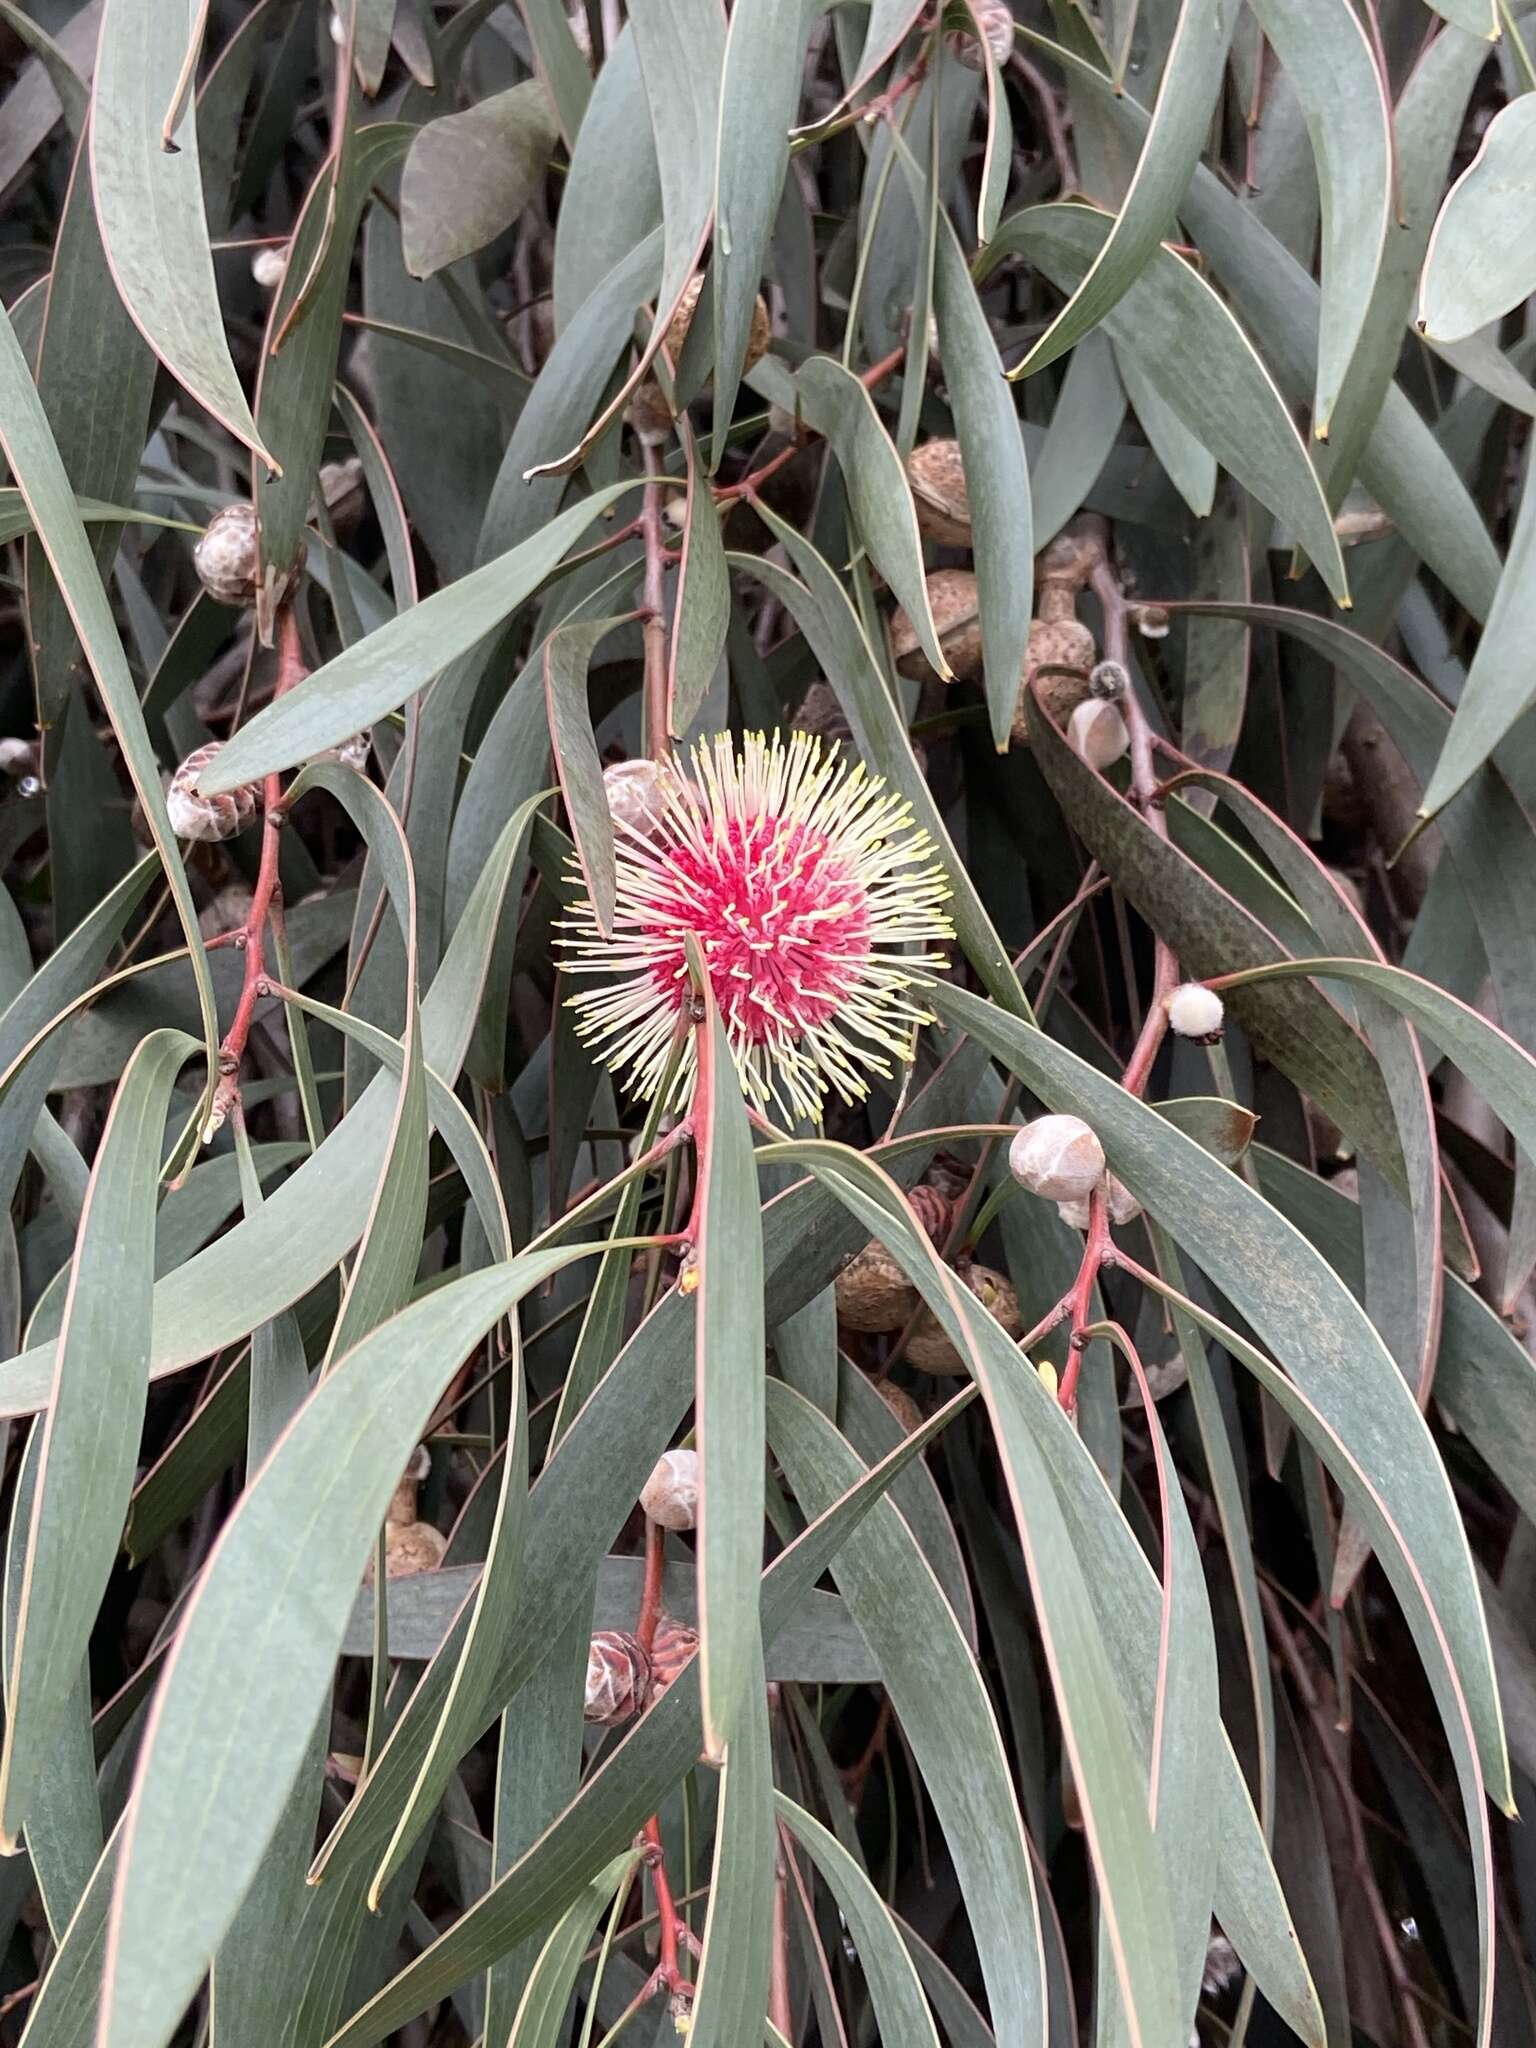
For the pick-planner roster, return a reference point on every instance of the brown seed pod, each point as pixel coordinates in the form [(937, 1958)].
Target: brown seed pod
[(820, 712), (618, 1678), (1059, 656), (411, 1548), (670, 1496), (928, 1345), (226, 556), (900, 1403), (937, 477), (952, 599), (195, 816), (649, 413), (995, 20), (675, 1643), (873, 1293)]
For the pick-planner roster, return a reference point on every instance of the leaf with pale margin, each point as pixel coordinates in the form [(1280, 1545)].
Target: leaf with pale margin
[(1187, 97), (1201, 362), (375, 677), (149, 201)]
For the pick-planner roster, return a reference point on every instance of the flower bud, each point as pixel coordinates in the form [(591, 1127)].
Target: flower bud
[(635, 794), (196, 816), (1196, 1012), (995, 20), (1122, 1205), (675, 1646), (269, 266), (1109, 680), (17, 757), (226, 556), (353, 753), (671, 1495), (1058, 1157), (874, 1293), (618, 1678), (1097, 734), (1152, 621)]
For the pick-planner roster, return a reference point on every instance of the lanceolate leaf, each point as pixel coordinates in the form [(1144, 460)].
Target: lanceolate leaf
[(39, 474), (1328, 59), (149, 201), (90, 1433), (377, 675), (996, 479), (728, 1364), (202, 1810), (1186, 99), (1199, 359), (567, 656), (1476, 270), (1329, 1348)]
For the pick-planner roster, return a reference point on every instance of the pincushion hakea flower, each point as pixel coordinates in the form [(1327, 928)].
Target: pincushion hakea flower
[(801, 878)]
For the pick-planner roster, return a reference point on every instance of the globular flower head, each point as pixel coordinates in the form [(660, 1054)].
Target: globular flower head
[(801, 879)]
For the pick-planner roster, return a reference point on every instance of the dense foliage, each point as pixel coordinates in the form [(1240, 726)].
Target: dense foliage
[(768, 925)]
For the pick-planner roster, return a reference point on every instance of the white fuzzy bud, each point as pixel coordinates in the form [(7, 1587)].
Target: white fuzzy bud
[(17, 756), (1058, 1157), (1196, 1012), (196, 816), (1110, 680), (1122, 1205), (269, 266), (671, 1495), (1097, 733)]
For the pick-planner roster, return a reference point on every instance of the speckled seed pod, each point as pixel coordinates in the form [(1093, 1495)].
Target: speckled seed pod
[(675, 1644), (931, 1349), (671, 1495), (1057, 659), (953, 601), (1097, 733), (937, 477), (1058, 1157), (995, 19), (195, 816), (1123, 1205), (873, 1293), (633, 789), (900, 1403), (226, 557), (618, 1678)]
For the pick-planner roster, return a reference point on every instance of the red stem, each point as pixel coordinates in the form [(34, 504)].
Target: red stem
[(252, 935)]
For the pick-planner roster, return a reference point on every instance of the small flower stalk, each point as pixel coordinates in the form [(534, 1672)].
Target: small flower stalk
[(803, 882)]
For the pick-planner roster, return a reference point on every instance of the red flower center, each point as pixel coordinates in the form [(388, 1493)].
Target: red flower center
[(783, 922)]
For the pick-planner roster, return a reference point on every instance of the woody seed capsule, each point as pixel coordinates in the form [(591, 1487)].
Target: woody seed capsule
[(954, 602), (930, 1347), (226, 556)]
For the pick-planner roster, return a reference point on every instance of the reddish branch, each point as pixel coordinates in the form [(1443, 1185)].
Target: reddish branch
[(251, 937)]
